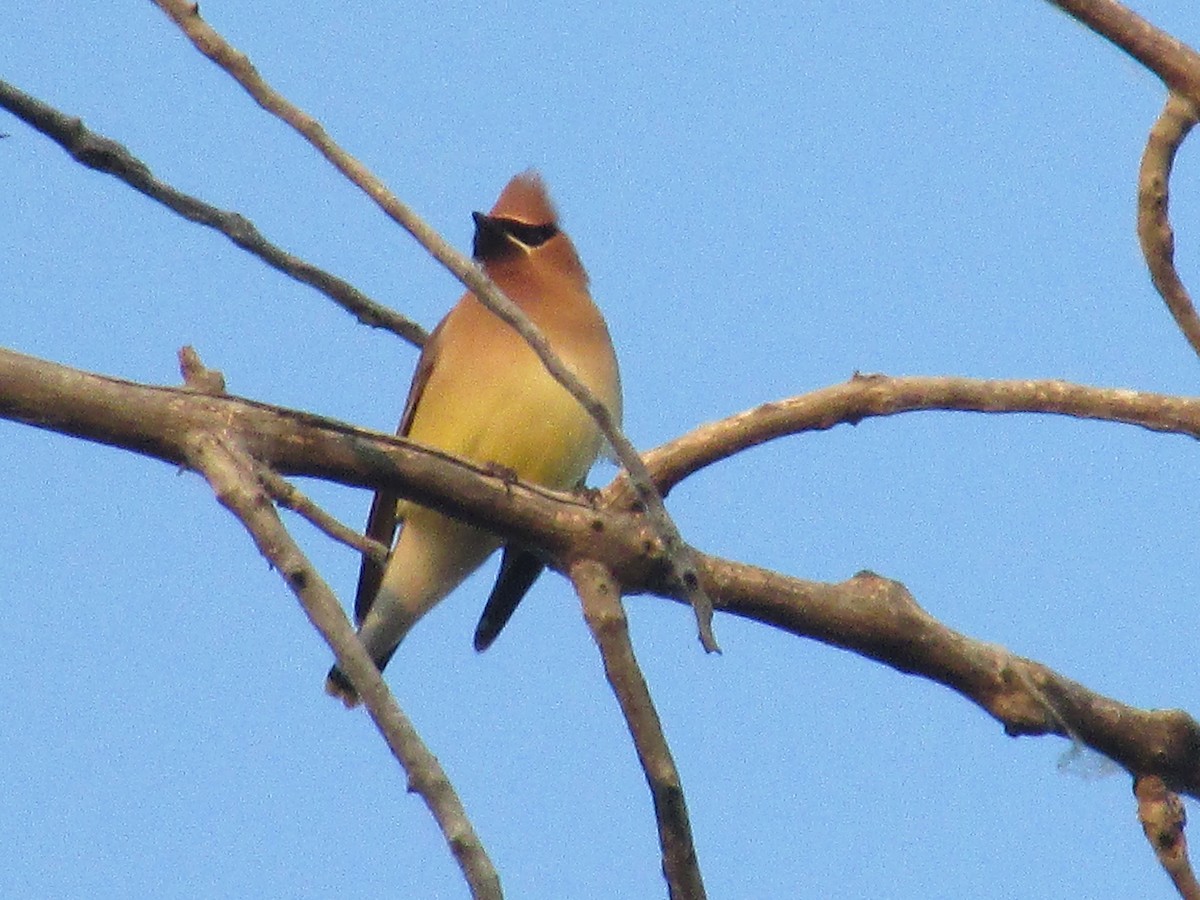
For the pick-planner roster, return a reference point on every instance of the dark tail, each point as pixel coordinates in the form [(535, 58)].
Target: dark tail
[(338, 685), (519, 569)]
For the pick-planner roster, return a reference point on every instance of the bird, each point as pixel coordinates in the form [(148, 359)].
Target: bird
[(480, 393)]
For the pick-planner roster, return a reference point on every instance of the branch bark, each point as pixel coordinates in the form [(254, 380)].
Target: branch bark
[(879, 619), (601, 599), (869, 396), (233, 474), (1178, 117), (867, 614), (1177, 64), (103, 154), (1163, 820)]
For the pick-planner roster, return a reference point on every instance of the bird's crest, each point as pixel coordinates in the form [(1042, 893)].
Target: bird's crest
[(525, 200)]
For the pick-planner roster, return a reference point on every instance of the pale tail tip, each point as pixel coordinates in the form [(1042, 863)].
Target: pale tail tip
[(337, 685)]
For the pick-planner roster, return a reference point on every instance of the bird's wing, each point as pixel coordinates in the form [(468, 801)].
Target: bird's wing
[(383, 521), (381, 525)]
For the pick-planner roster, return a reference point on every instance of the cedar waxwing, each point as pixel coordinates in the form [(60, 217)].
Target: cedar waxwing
[(480, 393)]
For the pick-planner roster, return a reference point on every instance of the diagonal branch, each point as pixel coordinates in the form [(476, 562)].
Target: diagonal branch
[(601, 599), (208, 41), (198, 377), (106, 155), (288, 495), (878, 618), (232, 473)]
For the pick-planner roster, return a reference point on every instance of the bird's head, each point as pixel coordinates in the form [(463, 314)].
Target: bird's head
[(521, 231)]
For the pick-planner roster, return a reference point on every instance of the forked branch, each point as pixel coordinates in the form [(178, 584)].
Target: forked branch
[(233, 474), (677, 554), (868, 615)]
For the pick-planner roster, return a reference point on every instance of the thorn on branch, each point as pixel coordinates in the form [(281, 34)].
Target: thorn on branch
[(196, 376)]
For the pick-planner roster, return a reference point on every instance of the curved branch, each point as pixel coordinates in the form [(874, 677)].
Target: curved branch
[(186, 15), (106, 155), (1153, 224), (867, 396), (1173, 61)]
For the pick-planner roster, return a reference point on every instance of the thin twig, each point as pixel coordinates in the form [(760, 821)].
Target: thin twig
[(677, 554), (106, 155), (1163, 821), (232, 473), (198, 377), (287, 494), (601, 599), (1153, 222)]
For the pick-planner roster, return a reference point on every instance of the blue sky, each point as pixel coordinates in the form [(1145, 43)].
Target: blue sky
[(768, 198)]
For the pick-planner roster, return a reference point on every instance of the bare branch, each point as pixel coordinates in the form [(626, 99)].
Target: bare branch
[(209, 42), (867, 614), (867, 396), (1179, 68), (601, 599), (286, 494), (1163, 819), (879, 619), (1177, 64), (155, 421), (106, 155), (1153, 224), (231, 472), (198, 377)]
